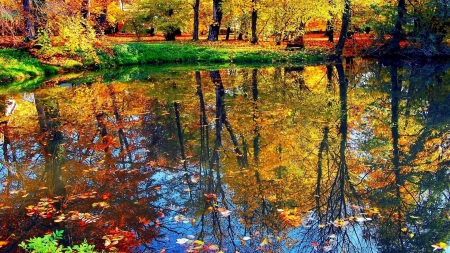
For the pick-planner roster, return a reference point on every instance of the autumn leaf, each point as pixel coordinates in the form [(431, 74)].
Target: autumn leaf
[(439, 246)]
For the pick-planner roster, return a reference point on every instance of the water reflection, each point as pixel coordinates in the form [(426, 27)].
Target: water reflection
[(335, 158)]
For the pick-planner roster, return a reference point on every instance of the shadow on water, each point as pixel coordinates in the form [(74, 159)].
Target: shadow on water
[(337, 158)]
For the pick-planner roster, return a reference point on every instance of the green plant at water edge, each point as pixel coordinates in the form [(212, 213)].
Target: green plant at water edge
[(49, 243), (18, 65)]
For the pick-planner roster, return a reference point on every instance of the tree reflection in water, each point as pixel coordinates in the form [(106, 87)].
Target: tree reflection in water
[(296, 159)]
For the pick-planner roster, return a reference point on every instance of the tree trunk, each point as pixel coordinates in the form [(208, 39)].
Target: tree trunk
[(30, 33), (227, 37), (217, 19), (344, 29), (254, 22), (330, 30), (196, 7), (102, 20), (401, 10), (85, 9)]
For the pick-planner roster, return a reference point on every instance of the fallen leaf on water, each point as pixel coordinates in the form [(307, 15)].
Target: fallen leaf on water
[(264, 242), (439, 245), (225, 213), (213, 247), (327, 248), (182, 241)]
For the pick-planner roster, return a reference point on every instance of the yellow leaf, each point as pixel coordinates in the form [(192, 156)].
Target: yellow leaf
[(198, 242), (439, 245), (213, 247), (264, 242)]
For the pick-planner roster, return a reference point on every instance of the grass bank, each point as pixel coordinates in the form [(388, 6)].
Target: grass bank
[(139, 53), (16, 65)]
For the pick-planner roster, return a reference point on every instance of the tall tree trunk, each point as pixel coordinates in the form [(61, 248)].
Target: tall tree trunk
[(30, 33), (254, 23), (344, 29), (401, 11), (196, 7), (217, 20)]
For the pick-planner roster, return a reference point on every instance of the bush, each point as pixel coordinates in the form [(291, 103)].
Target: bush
[(49, 243)]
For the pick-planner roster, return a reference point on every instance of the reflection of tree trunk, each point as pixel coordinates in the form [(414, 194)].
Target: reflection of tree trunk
[(343, 173), (101, 125), (180, 133), (204, 128), (48, 114), (6, 157), (220, 92), (395, 100), (337, 201), (122, 138), (255, 114), (323, 146), (297, 74)]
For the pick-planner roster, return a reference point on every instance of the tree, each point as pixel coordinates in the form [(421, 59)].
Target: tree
[(344, 29), (196, 7), (254, 39), (214, 27), (30, 32), (166, 16)]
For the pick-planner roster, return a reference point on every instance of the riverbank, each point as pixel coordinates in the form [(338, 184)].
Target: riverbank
[(19, 64)]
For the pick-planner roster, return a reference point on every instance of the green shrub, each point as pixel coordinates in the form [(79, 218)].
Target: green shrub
[(49, 243)]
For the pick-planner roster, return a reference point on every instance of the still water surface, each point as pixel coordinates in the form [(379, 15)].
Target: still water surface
[(332, 158)]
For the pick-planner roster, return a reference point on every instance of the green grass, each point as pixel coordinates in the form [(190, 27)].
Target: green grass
[(18, 65), (139, 53)]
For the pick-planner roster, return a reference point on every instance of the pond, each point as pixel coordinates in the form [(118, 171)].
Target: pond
[(320, 158)]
